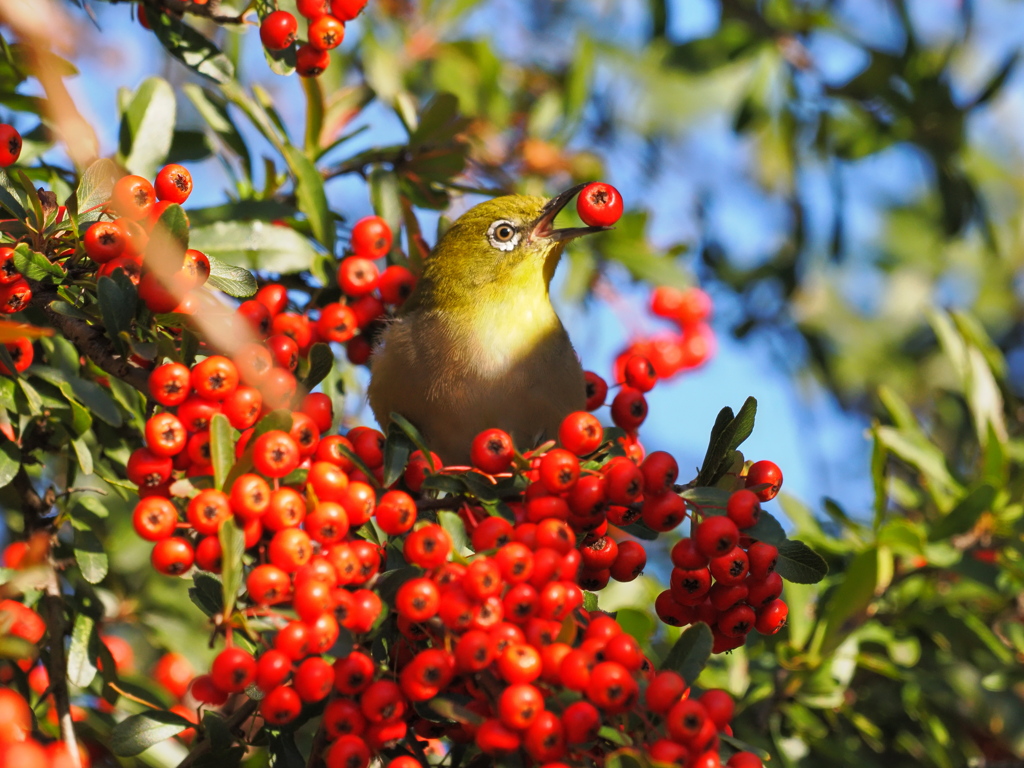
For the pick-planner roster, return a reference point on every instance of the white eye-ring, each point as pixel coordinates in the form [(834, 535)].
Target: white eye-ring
[(503, 235)]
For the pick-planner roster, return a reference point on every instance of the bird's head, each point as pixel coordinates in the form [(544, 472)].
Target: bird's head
[(506, 244)]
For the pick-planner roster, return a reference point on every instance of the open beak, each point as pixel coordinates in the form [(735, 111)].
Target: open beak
[(543, 227)]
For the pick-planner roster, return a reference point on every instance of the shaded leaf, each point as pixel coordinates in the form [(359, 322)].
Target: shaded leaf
[(137, 733), (92, 560), (10, 461), (35, 266), (190, 47), (799, 563), (232, 543), (767, 529), (255, 245), (312, 201), (94, 189), (147, 127), (964, 515), (690, 652), (727, 435), (396, 454), (222, 448), (321, 361), (234, 281)]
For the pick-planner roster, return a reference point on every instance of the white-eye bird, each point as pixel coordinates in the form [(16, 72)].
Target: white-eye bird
[(478, 344)]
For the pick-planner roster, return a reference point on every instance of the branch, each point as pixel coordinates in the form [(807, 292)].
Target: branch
[(234, 720), (91, 341), (33, 505), (53, 610)]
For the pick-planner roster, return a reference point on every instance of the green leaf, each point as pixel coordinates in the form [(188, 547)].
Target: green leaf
[(767, 529), (10, 199), (232, 543), (147, 128), (396, 454), (213, 109), (283, 752), (314, 114), (207, 593), (742, 746), (453, 525), (728, 433), (137, 733), (10, 461), (222, 448), (386, 197), (190, 47), (35, 266), (168, 241), (964, 515), (690, 652), (449, 484), (117, 300), (255, 245), (312, 201), (625, 758), (799, 563), (614, 735), (95, 188), (92, 560), (455, 712), (234, 281), (413, 434), (321, 361), (360, 465), (82, 650), (95, 398), (590, 602)]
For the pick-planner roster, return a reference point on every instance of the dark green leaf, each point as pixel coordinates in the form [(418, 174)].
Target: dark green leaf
[(117, 307), (190, 47), (998, 80), (360, 465), (137, 733), (727, 435), (799, 563), (767, 529), (92, 560), (640, 531), (207, 593), (414, 435), (396, 454), (451, 484), (10, 199), (35, 266), (222, 448), (234, 281), (964, 515), (147, 128), (321, 361), (690, 652), (10, 461), (283, 752), (309, 191), (742, 746)]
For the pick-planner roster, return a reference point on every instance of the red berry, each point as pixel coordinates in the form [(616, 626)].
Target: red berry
[(396, 284), (310, 61), (737, 621), (629, 408), (640, 374), (346, 10), (281, 705), (597, 390), (10, 145), (173, 184), (716, 536), (357, 275), (132, 197), (765, 472), (763, 558), (326, 32), (559, 470), (743, 508), (772, 617), (277, 30), (599, 205), (233, 670), (371, 237), (580, 433), (492, 451)]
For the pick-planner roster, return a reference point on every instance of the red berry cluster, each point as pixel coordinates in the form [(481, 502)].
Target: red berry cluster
[(15, 292), (368, 293), (19, 744), (165, 280), (688, 346), (325, 31), (723, 578)]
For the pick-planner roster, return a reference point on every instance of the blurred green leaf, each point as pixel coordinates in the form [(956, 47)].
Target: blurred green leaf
[(137, 733), (964, 515), (147, 127), (312, 201), (255, 245), (92, 560), (189, 46), (690, 652)]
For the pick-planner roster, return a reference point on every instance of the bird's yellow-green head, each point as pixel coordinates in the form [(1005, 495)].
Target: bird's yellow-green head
[(495, 250)]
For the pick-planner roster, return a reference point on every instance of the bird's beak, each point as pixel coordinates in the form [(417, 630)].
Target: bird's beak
[(543, 227)]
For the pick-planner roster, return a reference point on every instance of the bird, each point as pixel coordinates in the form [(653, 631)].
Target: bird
[(477, 344)]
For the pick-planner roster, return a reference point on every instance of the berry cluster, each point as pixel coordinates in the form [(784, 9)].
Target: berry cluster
[(688, 346), (18, 743), (165, 279), (724, 579), (325, 30)]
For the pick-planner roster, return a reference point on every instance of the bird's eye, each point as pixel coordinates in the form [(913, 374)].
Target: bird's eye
[(503, 235)]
